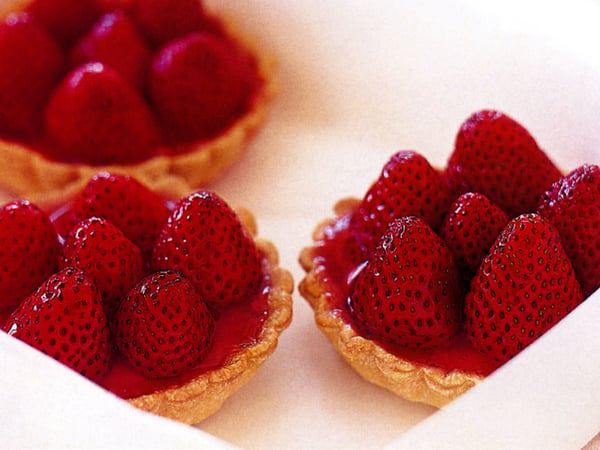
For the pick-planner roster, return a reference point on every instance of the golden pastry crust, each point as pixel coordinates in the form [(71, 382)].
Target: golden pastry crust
[(204, 395), (28, 174), (404, 378)]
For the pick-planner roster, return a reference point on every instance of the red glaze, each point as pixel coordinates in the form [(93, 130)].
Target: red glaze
[(237, 326), (457, 353)]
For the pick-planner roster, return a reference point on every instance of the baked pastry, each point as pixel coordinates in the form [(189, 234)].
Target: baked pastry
[(171, 305), (435, 277), (184, 92)]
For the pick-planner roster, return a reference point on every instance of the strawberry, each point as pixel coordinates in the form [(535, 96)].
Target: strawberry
[(111, 260), (409, 292), (163, 326), (31, 62), (65, 19), (197, 85), (572, 205), (64, 319), (408, 185), (204, 239), (114, 41), (95, 116), (129, 205), (470, 228), (523, 287), (29, 251), (497, 157), (164, 20)]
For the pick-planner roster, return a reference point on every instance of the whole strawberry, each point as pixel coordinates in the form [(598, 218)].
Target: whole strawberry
[(523, 287), (408, 185), (164, 20), (572, 205), (497, 157), (107, 257), (65, 320), (29, 251), (470, 228), (114, 41), (65, 19), (30, 64), (204, 239), (95, 116), (129, 205), (163, 326), (197, 86), (409, 293)]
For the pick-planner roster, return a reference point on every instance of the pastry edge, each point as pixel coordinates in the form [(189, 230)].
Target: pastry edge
[(404, 378), (25, 173)]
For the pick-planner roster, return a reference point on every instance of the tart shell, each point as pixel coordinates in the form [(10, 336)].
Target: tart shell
[(205, 394), (27, 173), (407, 379)]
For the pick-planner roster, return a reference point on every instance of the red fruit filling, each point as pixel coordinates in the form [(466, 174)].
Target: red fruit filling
[(507, 259), (202, 81), (104, 265)]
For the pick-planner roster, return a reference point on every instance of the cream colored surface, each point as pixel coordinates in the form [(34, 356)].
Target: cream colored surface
[(360, 80)]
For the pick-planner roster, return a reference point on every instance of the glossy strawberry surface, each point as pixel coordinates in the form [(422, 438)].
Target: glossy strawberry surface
[(163, 326), (470, 228), (409, 292), (133, 208), (64, 318), (29, 251), (94, 115), (497, 157), (103, 252), (30, 65), (407, 185), (572, 205), (524, 286), (204, 239)]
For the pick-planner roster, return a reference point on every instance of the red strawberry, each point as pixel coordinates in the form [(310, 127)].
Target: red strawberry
[(164, 20), (111, 260), (198, 85), (204, 239), (523, 287), (133, 208), (114, 41), (496, 156), (408, 185), (163, 327), (65, 320), (572, 205), (65, 19), (28, 252), (470, 228), (95, 116), (409, 292), (30, 64)]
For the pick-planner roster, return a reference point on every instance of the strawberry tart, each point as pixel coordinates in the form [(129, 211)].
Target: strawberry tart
[(437, 277), (169, 93), (169, 303)]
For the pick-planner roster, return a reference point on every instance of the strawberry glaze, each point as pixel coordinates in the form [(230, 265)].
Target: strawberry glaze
[(331, 255), (236, 327)]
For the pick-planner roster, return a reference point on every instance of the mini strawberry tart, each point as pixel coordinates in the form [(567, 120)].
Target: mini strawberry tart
[(435, 278), (164, 91), (171, 305)]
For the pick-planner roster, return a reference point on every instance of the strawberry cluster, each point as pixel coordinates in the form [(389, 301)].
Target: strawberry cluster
[(105, 82), (120, 269), (498, 245)]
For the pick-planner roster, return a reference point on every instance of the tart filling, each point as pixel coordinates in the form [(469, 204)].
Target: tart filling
[(434, 376), (244, 335), (33, 168), (436, 277)]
